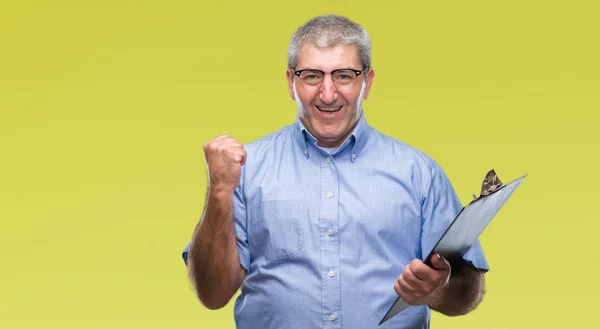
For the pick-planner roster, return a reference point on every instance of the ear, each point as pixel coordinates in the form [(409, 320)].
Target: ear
[(290, 80), (370, 77)]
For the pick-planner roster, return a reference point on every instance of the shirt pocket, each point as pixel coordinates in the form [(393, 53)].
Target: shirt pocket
[(276, 228)]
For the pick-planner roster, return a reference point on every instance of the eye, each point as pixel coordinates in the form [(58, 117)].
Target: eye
[(344, 76)]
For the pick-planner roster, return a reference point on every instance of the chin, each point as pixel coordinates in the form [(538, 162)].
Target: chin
[(330, 136)]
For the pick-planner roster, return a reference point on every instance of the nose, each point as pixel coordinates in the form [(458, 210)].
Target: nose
[(327, 92)]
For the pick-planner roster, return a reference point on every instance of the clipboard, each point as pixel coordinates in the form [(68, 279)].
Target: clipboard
[(465, 229)]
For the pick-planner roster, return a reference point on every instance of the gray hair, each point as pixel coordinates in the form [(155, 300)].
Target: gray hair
[(329, 31)]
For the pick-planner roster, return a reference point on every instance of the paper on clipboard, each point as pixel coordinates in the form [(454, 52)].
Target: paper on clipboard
[(465, 229)]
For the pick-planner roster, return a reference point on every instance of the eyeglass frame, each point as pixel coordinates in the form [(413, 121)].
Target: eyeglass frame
[(357, 72)]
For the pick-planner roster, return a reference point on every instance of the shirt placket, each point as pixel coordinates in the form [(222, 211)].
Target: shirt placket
[(330, 245)]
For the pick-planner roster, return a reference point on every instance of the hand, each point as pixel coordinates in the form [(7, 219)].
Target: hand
[(225, 157), (418, 284)]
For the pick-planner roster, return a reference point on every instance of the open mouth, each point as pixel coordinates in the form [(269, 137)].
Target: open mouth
[(329, 109)]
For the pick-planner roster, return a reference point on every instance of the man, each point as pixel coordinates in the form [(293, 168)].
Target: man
[(325, 222)]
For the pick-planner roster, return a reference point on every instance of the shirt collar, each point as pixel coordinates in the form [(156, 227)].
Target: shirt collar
[(358, 137)]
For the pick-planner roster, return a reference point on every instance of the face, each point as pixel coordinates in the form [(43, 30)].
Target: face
[(327, 113)]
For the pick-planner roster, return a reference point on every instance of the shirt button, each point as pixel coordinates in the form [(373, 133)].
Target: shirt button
[(353, 156), (329, 195), (332, 317), (330, 274), (328, 160), (330, 232)]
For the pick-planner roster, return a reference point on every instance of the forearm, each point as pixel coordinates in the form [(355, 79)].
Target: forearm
[(213, 261), (464, 291)]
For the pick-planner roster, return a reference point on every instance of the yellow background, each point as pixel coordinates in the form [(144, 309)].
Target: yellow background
[(105, 105)]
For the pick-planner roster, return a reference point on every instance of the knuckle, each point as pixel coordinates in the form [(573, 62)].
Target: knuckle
[(219, 147), (401, 279), (405, 277), (401, 285), (397, 288), (213, 145)]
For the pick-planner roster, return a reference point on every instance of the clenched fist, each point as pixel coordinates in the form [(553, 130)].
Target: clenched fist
[(225, 157)]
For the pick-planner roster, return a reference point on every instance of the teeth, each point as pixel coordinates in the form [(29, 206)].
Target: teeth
[(329, 109)]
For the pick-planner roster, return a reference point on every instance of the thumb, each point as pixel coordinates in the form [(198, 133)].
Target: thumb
[(244, 156), (440, 262)]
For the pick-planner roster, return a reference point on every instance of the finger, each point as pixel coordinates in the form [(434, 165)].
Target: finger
[(244, 156), (234, 142), (428, 278), (420, 286), (235, 154), (421, 271), (404, 291), (408, 289), (398, 290), (440, 262), (409, 276)]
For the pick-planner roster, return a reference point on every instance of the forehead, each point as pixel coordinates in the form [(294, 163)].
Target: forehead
[(328, 59)]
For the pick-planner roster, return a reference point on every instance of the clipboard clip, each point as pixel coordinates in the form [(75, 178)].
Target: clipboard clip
[(491, 183)]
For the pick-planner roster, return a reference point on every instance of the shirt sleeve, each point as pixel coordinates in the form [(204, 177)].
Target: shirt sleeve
[(440, 205), (240, 226), (239, 218)]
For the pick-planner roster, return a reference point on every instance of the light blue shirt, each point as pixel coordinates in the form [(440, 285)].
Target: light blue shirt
[(324, 236)]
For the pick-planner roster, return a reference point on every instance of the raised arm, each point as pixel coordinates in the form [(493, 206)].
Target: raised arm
[(213, 261)]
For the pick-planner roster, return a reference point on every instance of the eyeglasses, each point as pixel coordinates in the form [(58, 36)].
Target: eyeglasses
[(343, 79)]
